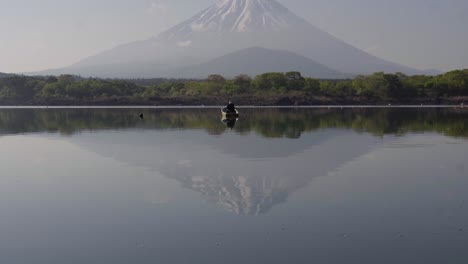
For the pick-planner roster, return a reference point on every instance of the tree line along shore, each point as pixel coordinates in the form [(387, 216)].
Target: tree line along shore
[(275, 88)]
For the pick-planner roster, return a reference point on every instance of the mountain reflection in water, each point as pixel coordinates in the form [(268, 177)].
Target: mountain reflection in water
[(239, 171), (282, 186), (247, 178)]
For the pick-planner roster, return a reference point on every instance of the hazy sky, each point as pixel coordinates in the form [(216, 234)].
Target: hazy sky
[(43, 34)]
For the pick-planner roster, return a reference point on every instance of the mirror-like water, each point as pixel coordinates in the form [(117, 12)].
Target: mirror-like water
[(275, 186)]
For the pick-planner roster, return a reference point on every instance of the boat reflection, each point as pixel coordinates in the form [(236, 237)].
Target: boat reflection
[(230, 122)]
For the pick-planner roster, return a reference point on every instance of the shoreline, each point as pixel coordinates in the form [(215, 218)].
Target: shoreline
[(220, 106)]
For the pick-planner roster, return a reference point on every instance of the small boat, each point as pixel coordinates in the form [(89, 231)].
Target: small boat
[(229, 114)]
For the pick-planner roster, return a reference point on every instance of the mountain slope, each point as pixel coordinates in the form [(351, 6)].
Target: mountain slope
[(253, 61), (223, 28), (5, 75), (237, 16)]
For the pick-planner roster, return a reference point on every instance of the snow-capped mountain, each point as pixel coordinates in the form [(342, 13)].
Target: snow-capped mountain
[(237, 16), (226, 27)]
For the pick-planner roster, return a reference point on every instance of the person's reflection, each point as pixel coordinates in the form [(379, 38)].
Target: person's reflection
[(230, 122)]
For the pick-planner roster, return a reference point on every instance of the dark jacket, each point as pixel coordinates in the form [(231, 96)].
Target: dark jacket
[(231, 107)]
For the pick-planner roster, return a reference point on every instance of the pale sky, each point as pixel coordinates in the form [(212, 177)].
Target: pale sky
[(42, 34)]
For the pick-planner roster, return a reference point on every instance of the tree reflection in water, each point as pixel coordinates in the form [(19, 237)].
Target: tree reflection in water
[(271, 123)]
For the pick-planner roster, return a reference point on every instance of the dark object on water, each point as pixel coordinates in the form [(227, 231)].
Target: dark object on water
[(229, 122), (231, 107), (229, 114), (141, 115), (230, 111)]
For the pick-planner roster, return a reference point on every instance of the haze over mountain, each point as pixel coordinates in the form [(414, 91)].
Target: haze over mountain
[(256, 60), (4, 75), (228, 26)]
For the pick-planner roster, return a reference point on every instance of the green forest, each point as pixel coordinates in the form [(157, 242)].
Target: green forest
[(377, 86)]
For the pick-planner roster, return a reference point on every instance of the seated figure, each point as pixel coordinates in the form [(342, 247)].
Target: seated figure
[(231, 108)]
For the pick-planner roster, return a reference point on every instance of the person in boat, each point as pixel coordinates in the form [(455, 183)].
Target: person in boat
[(231, 107)]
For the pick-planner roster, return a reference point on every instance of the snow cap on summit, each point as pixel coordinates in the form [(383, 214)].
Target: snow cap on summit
[(237, 16)]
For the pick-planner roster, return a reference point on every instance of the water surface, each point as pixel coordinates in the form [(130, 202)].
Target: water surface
[(276, 186)]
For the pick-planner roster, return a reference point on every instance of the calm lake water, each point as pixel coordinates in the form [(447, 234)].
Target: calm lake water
[(279, 186)]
